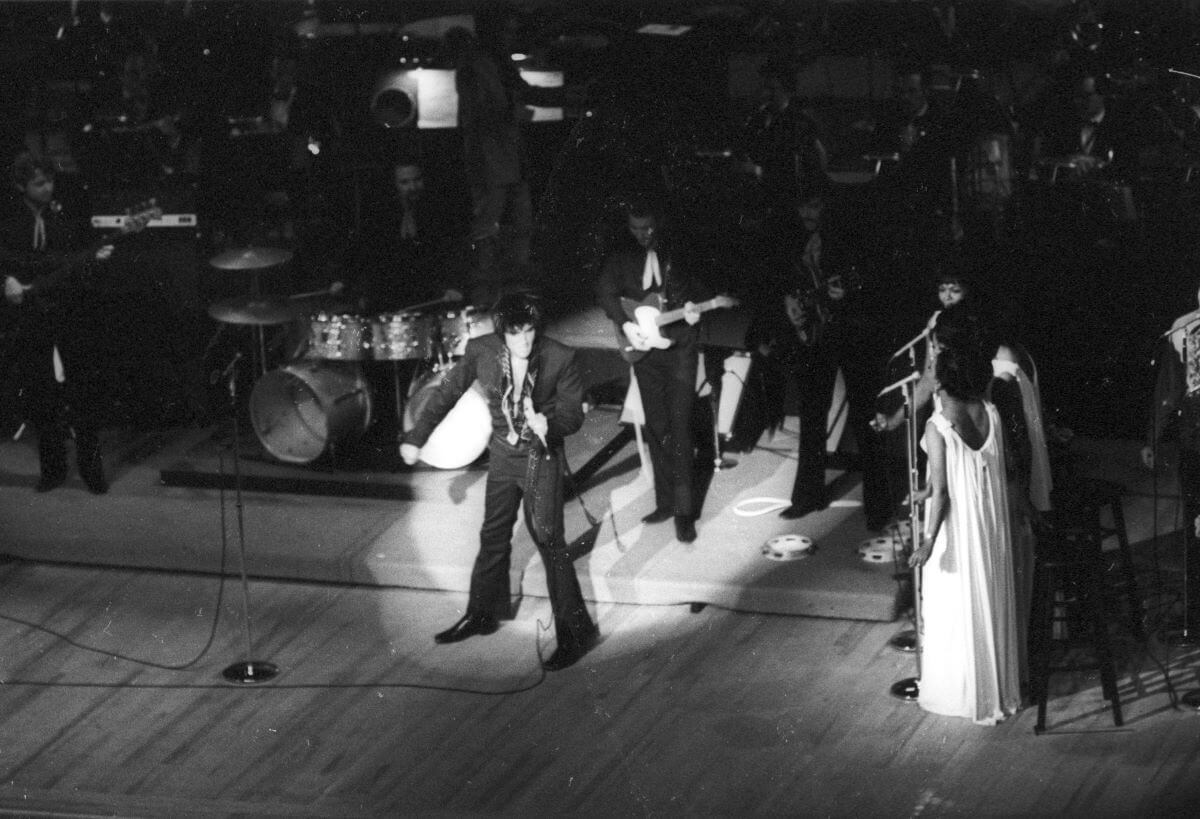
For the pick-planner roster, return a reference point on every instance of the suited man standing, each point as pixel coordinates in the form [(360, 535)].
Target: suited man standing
[(535, 398), (651, 266)]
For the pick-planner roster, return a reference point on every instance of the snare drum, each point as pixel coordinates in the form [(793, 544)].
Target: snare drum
[(338, 337), (401, 336), (459, 326)]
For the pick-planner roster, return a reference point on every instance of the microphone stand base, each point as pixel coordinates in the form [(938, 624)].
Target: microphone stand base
[(721, 464), (250, 671), (906, 689), (1191, 700), (905, 641)]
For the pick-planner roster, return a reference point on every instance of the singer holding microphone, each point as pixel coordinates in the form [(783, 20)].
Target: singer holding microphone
[(40, 253), (535, 397)]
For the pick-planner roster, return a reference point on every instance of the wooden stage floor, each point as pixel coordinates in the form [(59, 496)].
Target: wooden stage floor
[(114, 701)]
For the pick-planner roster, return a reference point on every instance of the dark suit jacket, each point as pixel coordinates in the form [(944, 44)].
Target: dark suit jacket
[(557, 391), (621, 277)]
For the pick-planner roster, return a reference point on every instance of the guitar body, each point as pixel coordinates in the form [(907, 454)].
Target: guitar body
[(816, 311), (649, 316)]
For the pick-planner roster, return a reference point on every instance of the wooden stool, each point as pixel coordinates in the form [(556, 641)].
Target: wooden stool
[(1068, 588), (1077, 509)]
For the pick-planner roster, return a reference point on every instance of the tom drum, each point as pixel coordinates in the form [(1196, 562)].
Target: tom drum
[(301, 409), (459, 326), (338, 337), (401, 336)]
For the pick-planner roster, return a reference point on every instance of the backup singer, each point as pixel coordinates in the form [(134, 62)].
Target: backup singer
[(54, 357), (970, 661), (535, 397), (651, 267)]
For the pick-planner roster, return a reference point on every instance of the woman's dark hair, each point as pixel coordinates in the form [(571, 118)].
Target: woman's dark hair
[(964, 364), (517, 310)]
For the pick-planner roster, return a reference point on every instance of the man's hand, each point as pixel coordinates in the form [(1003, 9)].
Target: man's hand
[(14, 291), (536, 421), (637, 339), (104, 253), (691, 313), (410, 453)]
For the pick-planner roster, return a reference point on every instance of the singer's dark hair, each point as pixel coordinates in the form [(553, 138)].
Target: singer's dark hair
[(513, 311), (27, 165), (964, 364)]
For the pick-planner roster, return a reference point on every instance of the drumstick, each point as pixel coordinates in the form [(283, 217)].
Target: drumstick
[(328, 291), (449, 295)]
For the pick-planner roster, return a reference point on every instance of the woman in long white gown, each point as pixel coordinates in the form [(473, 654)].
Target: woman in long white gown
[(969, 661)]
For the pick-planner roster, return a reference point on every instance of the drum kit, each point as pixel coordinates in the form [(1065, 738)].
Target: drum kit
[(320, 398)]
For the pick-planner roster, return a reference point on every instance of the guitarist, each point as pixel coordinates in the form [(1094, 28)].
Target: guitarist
[(39, 245), (651, 267), (833, 331)]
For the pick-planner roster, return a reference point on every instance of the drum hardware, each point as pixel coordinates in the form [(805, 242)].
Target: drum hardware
[(255, 311), (253, 260)]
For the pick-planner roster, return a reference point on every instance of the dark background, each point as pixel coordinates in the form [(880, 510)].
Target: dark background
[(1088, 296)]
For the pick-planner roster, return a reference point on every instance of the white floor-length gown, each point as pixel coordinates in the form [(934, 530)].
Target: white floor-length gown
[(969, 633)]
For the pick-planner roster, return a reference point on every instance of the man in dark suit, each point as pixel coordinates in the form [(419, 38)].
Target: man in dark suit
[(535, 397), (652, 267), (413, 246), (39, 243)]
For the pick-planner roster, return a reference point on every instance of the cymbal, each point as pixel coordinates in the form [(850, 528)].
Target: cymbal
[(250, 258), (253, 310)]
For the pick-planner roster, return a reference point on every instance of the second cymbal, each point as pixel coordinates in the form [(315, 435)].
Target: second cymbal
[(253, 310)]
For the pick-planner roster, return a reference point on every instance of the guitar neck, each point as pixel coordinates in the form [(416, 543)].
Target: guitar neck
[(671, 316)]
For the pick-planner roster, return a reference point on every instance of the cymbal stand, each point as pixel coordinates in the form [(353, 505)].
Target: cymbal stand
[(246, 671), (908, 688)]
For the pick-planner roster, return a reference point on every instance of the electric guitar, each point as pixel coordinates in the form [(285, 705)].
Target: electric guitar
[(649, 316), (66, 265), (811, 310)]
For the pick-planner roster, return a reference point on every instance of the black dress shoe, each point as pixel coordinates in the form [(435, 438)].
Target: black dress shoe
[(97, 484), (568, 654), (468, 626), (49, 482), (799, 510), (685, 529), (657, 516)]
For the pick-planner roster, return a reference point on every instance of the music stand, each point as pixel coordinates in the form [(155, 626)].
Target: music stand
[(246, 671)]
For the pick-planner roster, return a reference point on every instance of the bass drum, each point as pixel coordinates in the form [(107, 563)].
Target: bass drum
[(298, 411), (463, 434)]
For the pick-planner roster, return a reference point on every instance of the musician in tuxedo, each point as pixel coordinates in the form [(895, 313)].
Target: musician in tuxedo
[(651, 266), (52, 350), (825, 302), (535, 397), (1175, 417)]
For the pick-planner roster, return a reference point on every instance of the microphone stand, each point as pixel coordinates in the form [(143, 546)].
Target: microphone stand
[(246, 671), (908, 688)]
